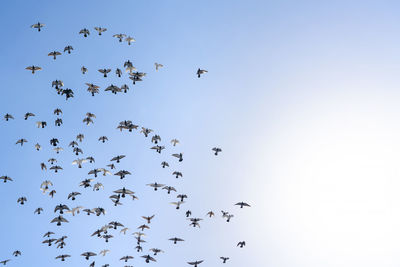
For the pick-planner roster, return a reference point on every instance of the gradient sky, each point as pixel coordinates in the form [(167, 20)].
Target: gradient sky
[(302, 96)]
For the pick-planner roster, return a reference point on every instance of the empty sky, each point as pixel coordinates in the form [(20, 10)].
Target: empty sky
[(302, 96)]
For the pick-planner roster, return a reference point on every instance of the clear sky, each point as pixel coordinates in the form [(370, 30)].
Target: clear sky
[(302, 97)]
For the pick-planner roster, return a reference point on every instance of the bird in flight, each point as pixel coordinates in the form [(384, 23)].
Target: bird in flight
[(158, 66), (200, 72), (38, 26), (33, 68), (242, 204)]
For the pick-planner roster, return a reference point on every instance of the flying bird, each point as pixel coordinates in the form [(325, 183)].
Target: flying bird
[(54, 54), (38, 26), (200, 72), (85, 32), (100, 30), (33, 68)]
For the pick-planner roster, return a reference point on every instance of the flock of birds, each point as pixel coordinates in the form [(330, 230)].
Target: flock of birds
[(63, 212)]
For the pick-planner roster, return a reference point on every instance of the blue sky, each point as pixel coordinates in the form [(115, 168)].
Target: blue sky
[(302, 96)]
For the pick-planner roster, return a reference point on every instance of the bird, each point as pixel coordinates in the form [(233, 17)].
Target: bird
[(181, 196), (124, 230), (17, 253), (33, 68), (38, 211), (120, 36), (104, 71), (84, 69), (79, 162), (59, 219), (177, 204), (92, 88), (104, 252), (224, 259), (126, 258), (80, 137), (143, 226), (100, 30), (242, 204), (158, 66), (63, 256), (54, 54), (85, 32), (68, 49), (125, 88), (130, 39), (200, 72), (195, 263), (113, 88), (27, 115), (60, 208), (241, 244), (22, 200), (156, 251), (148, 258), (118, 158), (164, 164), (155, 185), (118, 72), (148, 219), (177, 174), (169, 189), (174, 142), (179, 156), (38, 26), (216, 150), (37, 146), (5, 178), (8, 116), (88, 254), (73, 195), (57, 111), (41, 124), (176, 239)]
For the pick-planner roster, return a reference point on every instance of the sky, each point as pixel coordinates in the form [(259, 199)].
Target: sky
[(302, 97)]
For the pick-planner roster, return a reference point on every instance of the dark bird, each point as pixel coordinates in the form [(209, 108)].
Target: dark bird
[(200, 72), (241, 244), (87, 255), (5, 178), (242, 204), (179, 156), (148, 219), (148, 258), (216, 150), (68, 49), (164, 164), (59, 219), (176, 240), (28, 114), (126, 258), (104, 71), (85, 32), (17, 253), (177, 174), (224, 259), (195, 263), (22, 200), (38, 26), (63, 257)]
